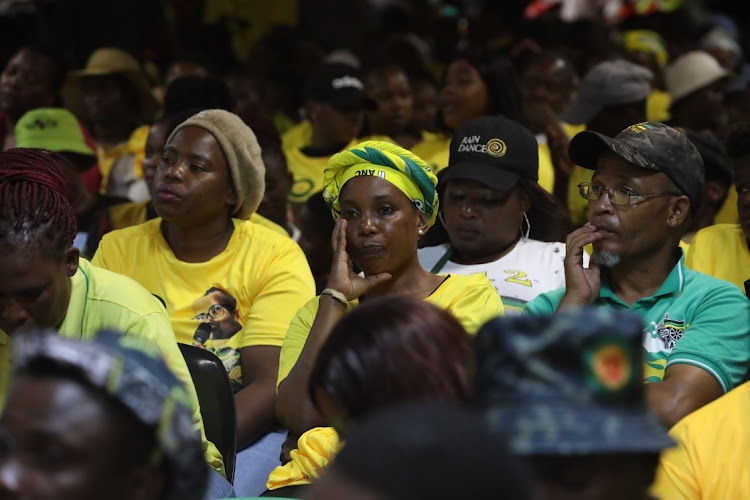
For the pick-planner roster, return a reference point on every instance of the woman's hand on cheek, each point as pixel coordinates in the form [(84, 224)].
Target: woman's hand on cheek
[(342, 277)]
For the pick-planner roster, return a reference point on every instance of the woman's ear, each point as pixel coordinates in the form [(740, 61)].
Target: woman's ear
[(71, 260), (422, 224)]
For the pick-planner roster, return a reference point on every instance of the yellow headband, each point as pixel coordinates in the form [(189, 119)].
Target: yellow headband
[(392, 163)]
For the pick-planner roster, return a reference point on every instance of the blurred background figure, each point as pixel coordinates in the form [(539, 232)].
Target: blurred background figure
[(424, 452), (113, 95), (567, 392), (117, 428)]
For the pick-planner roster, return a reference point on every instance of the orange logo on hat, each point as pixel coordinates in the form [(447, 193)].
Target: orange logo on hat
[(611, 367), (496, 147)]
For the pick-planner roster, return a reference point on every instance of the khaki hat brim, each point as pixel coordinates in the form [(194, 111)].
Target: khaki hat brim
[(72, 92)]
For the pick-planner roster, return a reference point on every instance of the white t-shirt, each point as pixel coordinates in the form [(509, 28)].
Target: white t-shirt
[(531, 268)]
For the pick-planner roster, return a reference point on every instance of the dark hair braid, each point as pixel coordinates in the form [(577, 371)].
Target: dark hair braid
[(34, 199)]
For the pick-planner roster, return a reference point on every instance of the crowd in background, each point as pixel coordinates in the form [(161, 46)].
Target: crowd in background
[(231, 175)]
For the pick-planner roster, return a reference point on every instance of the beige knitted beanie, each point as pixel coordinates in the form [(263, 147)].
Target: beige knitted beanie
[(242, 152)]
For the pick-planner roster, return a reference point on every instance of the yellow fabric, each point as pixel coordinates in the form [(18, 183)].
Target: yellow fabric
[(388, 161), (711, 461), (434, 149), (721, 251), (728, 212), (248, 21), (472, 299), (267, 274), (577, 206), (101, 299), (685, 246), (315, 448), (135, 145), (307, 172), (546, 169), (128, 214), (657, 106), (297, 137)]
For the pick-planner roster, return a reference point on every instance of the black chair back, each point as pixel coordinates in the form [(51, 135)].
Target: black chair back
[(217, 402)]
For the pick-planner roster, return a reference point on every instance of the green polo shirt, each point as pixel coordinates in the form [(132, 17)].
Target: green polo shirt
[(693, 319)]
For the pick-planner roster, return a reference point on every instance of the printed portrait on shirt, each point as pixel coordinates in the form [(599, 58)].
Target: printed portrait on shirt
[(217, 321)]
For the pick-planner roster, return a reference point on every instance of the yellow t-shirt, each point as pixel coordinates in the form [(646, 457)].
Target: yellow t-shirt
[(471, 299), (245, 296), (100, 299), (434, 149), (728, 214), (546, 169), (721, 251), (297, 137), (307, 172), (134, 147), (711, 461)]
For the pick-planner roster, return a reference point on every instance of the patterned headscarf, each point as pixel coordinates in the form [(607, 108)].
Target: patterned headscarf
[(400, 167), (646, 41)]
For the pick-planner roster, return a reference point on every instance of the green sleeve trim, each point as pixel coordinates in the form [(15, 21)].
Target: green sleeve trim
[(713, 369)]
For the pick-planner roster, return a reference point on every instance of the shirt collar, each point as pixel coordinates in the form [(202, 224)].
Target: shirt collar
[(674, 282)]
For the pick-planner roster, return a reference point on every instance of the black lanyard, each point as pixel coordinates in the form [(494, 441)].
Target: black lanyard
[(445, 257)]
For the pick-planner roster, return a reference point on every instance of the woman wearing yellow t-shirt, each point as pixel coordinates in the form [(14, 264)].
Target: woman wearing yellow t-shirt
[(228, 284), (384, 199)]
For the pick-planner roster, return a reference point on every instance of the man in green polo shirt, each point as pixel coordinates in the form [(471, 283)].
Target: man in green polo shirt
[(646, 185)]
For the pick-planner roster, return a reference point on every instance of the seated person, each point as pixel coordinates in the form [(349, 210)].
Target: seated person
[(722, 250), (229, 285), (718, 180), (486, 195), (113, 94), (316, 227), (117, 428), (646, 186), (46, 284), (388, 87), (386, 352), (566, 392), (58, 130), (452, 455), (334, 106), (384, 199)]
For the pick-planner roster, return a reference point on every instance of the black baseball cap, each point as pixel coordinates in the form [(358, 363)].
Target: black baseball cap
[(649, 145), (493, 150), (339, 86)]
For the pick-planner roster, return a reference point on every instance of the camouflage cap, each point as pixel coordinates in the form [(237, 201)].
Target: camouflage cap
[(568, 384), (649, 145), (131, 370)]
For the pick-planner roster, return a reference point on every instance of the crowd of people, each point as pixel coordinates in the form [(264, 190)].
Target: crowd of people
[(459, 251)]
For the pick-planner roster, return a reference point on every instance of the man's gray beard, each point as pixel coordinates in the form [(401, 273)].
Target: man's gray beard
[(605, 259)]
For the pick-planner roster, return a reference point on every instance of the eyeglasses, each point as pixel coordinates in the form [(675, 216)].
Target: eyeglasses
[(617, 196), (215, 312)]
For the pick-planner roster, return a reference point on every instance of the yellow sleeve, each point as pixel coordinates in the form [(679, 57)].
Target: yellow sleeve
[(157, 328), (676, 475), (286, 286), (546, 169), (295, 338), (478, 306), (578, 206)]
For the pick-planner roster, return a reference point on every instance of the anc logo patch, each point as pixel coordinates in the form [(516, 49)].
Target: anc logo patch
[(610, 366), (670, 331)]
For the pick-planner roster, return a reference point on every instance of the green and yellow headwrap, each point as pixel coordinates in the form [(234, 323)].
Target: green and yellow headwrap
[(395, 164), (646, 41)]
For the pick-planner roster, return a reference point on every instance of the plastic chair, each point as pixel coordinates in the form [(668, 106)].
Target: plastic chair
[(216, 400)]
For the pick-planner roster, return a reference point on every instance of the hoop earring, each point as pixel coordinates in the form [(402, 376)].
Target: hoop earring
[(525, 234), (440, 216)]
